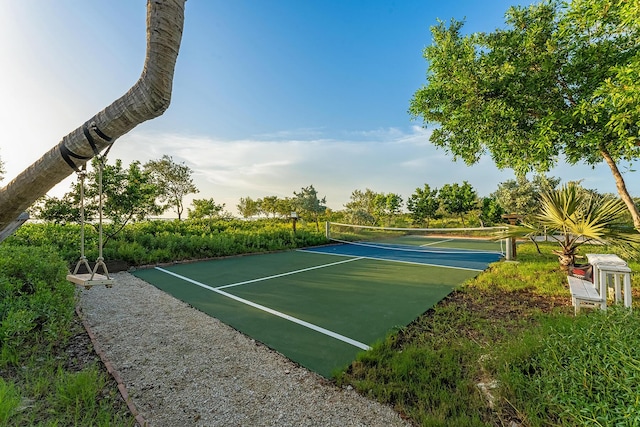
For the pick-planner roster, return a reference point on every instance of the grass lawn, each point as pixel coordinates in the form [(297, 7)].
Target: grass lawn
[(488, 354)]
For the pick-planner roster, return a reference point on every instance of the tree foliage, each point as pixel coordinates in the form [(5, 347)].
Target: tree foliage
[(458, 199), (269, 205), (362, 207), (173, 180), (247, 207), (205, 208), (521, 196), (387, 205), (128, 194), (309, 205), (559, 82), (490, 212), (423, 204)]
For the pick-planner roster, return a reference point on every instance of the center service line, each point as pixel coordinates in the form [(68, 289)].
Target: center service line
[(271, 311), (288, 273)]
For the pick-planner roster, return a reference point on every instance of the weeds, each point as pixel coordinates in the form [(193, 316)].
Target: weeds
[(511, 326), (36, 313)]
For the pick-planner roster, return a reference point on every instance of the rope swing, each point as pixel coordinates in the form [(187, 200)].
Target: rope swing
[(92, 278)]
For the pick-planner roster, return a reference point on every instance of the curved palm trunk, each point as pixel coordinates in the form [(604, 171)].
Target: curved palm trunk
[(147, 99), (622, 188)]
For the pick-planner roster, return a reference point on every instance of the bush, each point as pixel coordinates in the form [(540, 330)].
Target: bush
[(36, 301)]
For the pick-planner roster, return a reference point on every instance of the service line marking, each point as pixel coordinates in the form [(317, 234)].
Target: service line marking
[(272, 311)]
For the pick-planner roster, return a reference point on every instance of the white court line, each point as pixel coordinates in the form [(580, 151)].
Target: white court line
[(435, 243), (286, 274), (271, 311), (393, 260)]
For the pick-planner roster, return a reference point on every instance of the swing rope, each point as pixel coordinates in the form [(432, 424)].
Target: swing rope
[(83, 259), (92, 278), (100, 260)]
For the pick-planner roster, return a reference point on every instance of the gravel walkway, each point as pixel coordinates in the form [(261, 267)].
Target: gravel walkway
[(182, 367)]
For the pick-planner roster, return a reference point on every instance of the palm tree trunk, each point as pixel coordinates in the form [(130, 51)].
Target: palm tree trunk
[(147, 99), (622, 188)]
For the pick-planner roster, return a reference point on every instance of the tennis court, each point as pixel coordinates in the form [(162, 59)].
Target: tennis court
[(321, 306)]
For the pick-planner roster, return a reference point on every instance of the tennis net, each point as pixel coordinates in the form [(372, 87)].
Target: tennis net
[(436, 240)]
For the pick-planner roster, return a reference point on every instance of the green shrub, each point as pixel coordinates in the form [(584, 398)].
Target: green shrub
[(36, 301)]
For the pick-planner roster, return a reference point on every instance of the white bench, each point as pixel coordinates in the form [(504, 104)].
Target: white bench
[(583, 293)]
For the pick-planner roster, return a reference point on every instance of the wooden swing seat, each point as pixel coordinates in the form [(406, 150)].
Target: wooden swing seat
[(84, 279)]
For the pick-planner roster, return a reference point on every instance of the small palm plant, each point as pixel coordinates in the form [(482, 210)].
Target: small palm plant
[(573, 218)]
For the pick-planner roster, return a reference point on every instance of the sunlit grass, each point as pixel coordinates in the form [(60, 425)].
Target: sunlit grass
[(512, 327)]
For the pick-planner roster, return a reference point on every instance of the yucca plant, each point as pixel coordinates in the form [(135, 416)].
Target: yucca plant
[(573, 218)]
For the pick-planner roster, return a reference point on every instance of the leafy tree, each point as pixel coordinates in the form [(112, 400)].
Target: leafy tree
[(248, 207), (458, 199), (521, 196), (560, 80), (269, 205), (490, 212), (284, 206), (423, 204), (308, 203), (205, 208), (387, 205), (61, 210), (2, 171), (128, 194), (173, 180), (362, 207)]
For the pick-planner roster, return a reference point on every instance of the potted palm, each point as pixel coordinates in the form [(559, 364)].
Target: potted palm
[(573, 217)]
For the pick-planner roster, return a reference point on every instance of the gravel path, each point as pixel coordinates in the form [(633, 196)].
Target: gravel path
[(182, 367)]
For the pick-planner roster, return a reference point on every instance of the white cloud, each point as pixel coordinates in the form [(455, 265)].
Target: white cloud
[(382, 160)]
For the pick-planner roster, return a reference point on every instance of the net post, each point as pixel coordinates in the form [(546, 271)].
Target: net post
[(509, 249), (326, 230)]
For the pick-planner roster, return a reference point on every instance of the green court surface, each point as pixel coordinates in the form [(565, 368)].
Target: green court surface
[(318, 310)]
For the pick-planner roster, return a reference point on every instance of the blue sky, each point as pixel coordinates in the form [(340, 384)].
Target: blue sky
[(269, 95)]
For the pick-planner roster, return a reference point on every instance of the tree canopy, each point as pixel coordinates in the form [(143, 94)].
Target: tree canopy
[(521, 196), (559, 82), (308, 203), (458, 199), (423, 204), (173, 180), (205, 208)]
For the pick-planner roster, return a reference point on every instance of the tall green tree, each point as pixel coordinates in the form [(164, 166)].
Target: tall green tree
[(248, 207), (205, 208), (361, 209), (173, 180), (521, 196), (423, 204), (309, 205), (490, 212), (284, 206), (560, 81), (128, 194), (2, 171), (269, 205), (458, 199), (62, 210), (387, 205)]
